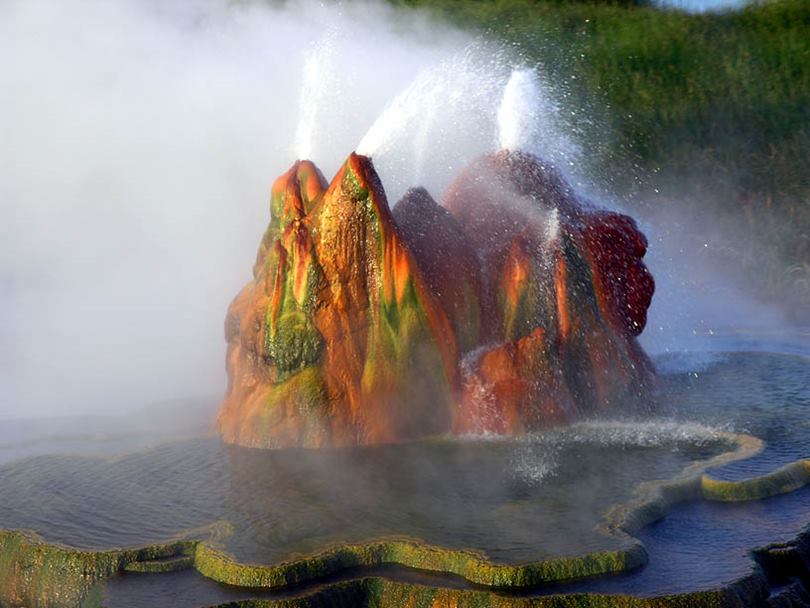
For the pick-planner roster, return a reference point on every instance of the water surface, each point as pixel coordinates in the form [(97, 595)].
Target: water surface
[(516, 500)]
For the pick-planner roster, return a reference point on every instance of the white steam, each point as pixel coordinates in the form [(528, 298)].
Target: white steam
[(138, 142), (538, 456), (699, 305)]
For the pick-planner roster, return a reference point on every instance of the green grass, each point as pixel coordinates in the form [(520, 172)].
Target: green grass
[(712, 110)]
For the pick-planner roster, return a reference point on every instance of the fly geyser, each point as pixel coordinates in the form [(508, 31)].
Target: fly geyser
[(512, 306)]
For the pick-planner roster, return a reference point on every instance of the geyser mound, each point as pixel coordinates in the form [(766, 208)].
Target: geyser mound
[(512, 307)]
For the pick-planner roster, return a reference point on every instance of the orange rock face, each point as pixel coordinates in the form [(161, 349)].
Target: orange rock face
[(337, 341), (510, 308)]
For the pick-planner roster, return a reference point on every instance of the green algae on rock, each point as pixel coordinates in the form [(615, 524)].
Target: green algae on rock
[(476, 568), (37, 574), (383, 593), (788, 478), (340, 314)]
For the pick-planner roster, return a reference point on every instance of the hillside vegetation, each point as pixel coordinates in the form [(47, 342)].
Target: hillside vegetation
[(710, 109)]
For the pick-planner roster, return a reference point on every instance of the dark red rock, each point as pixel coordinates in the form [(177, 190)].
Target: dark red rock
[(554, 263), (625, 286), (449, 264)]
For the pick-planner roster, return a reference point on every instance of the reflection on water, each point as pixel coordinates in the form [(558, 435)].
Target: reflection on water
[(185, 589), (454, 494)]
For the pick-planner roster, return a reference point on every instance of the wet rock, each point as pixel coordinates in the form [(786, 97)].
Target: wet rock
[(340, 340), (513, 307), (551, 262), (448, 262)]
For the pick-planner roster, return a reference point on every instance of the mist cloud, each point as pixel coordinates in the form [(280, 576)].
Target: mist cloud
[(138, 142)]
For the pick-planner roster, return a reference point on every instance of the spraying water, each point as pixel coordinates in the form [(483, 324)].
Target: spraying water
[(530, 118), (443, 119), (316, 81), (453, 112), (518, 115)]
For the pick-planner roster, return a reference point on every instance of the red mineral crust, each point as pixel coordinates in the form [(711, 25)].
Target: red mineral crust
[(449, 263), (512, 307), (550, 264)]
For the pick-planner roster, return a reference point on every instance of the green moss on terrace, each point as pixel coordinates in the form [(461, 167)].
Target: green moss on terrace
[(171, 564), (382, 593), (474, 567), (34, 573), (786, 479)]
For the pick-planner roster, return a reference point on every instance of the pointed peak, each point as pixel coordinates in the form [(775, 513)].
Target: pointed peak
[(365, 173), (417, 200), (358, 178), (418, 211), (293, 194), (311, 181), (359, 161), (284, 181), (303, 180)]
